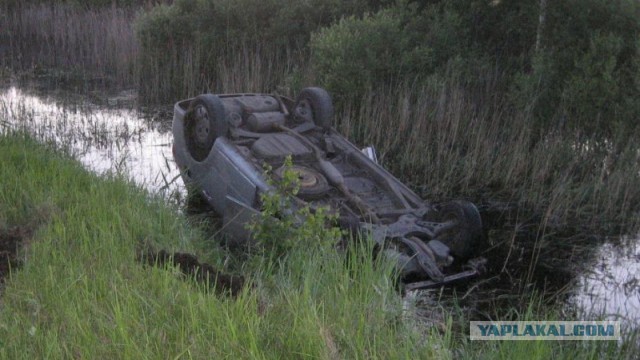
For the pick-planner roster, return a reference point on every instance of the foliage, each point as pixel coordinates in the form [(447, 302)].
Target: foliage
[(414, 40), (167, 26), (284, 228), (356, 53), (210, 33), (82, 293), (585, 77)]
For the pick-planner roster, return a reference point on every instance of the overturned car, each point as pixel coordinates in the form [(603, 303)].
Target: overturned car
[(223, 142)]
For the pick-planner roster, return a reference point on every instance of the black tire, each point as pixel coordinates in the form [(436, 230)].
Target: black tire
[(204, 122), (316, 102), (464, 238)]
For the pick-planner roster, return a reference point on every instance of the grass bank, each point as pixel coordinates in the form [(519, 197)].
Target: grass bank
[(81, 293)]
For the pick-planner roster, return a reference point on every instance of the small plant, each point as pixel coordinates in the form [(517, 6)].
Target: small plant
[(284, 226)]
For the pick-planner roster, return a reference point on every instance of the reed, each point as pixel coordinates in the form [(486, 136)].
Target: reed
[(97, 43), (448, 137), (186, 70), (81, 292), (448, 140)]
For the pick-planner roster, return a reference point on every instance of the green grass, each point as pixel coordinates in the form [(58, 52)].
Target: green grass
[(81, 292), (536, 310)]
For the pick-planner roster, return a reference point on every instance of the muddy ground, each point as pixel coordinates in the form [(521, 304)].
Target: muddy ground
[(11, 240), (189, 265)]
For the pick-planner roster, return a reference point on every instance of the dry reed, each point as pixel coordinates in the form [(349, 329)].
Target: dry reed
[(96, 42)]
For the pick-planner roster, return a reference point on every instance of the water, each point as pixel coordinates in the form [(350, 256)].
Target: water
[(610, 287), (119, 139), (123, 139)]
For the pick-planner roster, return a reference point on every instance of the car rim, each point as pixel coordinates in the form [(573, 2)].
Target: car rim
[(304, 110), (202, 126)]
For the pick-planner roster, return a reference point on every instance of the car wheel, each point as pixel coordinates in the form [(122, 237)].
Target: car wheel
[(314, 103), (462, 239), (204, 122)]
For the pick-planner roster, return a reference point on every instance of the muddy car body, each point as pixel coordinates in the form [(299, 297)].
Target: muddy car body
[(223, 142)]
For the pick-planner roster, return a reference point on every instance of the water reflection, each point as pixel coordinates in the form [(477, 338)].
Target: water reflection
[(123, 140), (611, 288)]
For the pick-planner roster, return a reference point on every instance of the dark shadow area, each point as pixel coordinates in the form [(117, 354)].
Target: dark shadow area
[(11, 240), (223, 284)]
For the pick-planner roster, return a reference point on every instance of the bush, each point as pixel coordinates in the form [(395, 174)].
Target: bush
[(414, 40), (283, 228), (585, 77), (358, 53), (167, 26), (198, 38)]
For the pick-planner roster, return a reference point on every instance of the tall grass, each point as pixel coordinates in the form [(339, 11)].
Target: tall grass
[(188, 70), (449, 140), (547, 199), (97, 43), (81, 292), (445, 137), (101, 45)]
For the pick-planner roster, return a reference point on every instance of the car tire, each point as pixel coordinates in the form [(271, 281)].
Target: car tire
[(204, 122), (316, 102), (462, 239)]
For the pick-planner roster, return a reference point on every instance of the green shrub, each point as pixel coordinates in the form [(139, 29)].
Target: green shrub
[(592, 89), (585, 76), (412, 41), (358, 53), (284, 228), (197, 39)]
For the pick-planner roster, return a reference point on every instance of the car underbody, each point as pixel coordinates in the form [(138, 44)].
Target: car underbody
[(222, 144)]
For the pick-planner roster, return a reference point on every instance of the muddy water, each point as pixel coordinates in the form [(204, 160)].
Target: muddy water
[(117, 137)]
